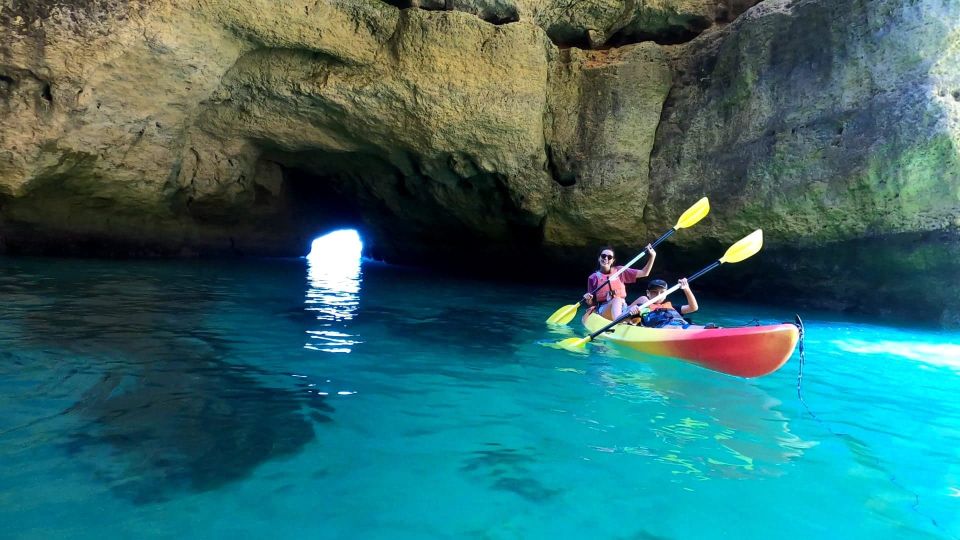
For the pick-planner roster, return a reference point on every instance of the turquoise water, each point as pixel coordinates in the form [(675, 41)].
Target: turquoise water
[(267, 399)]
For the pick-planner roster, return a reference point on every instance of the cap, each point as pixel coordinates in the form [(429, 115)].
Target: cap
[(656, 284)]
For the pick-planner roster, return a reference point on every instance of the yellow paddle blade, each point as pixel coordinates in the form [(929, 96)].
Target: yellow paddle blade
[(573, 344), (693, 214), (744, 248), (568, 316), (563, 315)]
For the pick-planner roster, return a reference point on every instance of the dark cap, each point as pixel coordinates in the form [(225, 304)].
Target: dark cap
[(656, 284)]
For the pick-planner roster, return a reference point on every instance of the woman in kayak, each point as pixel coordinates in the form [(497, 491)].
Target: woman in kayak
[(611, 299), (663, 313)]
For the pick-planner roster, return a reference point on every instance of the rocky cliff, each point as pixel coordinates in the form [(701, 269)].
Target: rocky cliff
[(492, 128)]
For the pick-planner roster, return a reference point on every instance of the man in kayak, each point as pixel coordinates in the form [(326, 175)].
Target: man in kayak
[(611, 299), (663, 313)]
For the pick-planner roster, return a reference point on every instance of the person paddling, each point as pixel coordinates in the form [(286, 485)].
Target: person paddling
[(611, 299), (663, 313)]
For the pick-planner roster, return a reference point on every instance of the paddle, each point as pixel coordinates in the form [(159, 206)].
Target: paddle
[(746, 247), (689, 218)]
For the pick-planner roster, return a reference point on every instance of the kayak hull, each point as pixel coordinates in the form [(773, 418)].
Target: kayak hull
[(749, 351)]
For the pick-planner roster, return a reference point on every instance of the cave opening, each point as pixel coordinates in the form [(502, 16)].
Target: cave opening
[(338, 245), (322, 208), (334, 275)]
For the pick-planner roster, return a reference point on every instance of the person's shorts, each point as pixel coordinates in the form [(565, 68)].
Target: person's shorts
[(605, 307)]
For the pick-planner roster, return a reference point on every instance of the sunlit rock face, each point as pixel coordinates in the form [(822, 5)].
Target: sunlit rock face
[(524, 128), (233, 127), (835, 126), (430, 141), (604, 110), (855, 136)]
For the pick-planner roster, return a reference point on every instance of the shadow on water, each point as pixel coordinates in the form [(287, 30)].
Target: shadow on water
[(169, 412)]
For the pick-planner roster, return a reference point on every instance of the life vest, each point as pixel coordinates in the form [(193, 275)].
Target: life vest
[(654, 307), (660, 315), (608, 290)]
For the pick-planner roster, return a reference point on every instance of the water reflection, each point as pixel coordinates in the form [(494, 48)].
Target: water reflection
[(333, 275), (724, 427)]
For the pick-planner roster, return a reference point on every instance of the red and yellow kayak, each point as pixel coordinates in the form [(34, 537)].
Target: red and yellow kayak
[(749, 351)]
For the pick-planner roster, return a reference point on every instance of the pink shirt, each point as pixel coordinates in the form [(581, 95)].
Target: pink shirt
[(616, 287)]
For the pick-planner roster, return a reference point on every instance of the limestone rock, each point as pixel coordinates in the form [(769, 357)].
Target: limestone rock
[(138, 127), (604, 109), (176, 128), (445, 130), (492, 11), (597, 23), (856, 135), (728, 10), (836, 127)]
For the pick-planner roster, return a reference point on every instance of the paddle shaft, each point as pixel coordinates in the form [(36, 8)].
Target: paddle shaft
[(713, 265), (632, 262), (654, 300)]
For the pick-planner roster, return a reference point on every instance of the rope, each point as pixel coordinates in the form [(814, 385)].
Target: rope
[(893, 479), (800, 372)]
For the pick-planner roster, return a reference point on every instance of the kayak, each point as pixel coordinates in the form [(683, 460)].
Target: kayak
[(748, 351)]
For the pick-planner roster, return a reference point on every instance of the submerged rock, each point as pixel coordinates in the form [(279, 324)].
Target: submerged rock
[(171, 402), (166, 127), (170, 431)]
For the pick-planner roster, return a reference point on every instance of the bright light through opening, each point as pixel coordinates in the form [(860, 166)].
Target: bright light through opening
[(343, 245), (334, 276)]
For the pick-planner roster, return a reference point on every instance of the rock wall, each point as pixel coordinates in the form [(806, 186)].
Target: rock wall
[(836, 126), (857, 136), (531, 129)]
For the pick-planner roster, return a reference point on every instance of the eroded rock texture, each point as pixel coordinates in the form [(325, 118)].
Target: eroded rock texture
[(526, 128), (830, 124)]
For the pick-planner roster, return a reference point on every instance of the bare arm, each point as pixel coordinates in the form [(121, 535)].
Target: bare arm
[(645, 271), (635, 305), (691, 305)]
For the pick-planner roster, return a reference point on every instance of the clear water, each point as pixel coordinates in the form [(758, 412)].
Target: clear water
[(272, 399)]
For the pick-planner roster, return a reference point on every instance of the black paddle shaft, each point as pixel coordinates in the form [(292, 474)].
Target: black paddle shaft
[(713, 265)]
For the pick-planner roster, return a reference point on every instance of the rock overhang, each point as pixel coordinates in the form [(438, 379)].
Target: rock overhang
[(248, 127)]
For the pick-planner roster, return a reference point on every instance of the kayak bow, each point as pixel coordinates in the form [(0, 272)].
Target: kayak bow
[(749, 351)]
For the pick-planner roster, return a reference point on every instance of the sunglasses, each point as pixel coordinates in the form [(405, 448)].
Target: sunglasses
[(605, 257)]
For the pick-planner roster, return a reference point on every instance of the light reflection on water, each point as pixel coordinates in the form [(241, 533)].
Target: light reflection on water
[(939, 354), (334, 276), (726, 429)]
